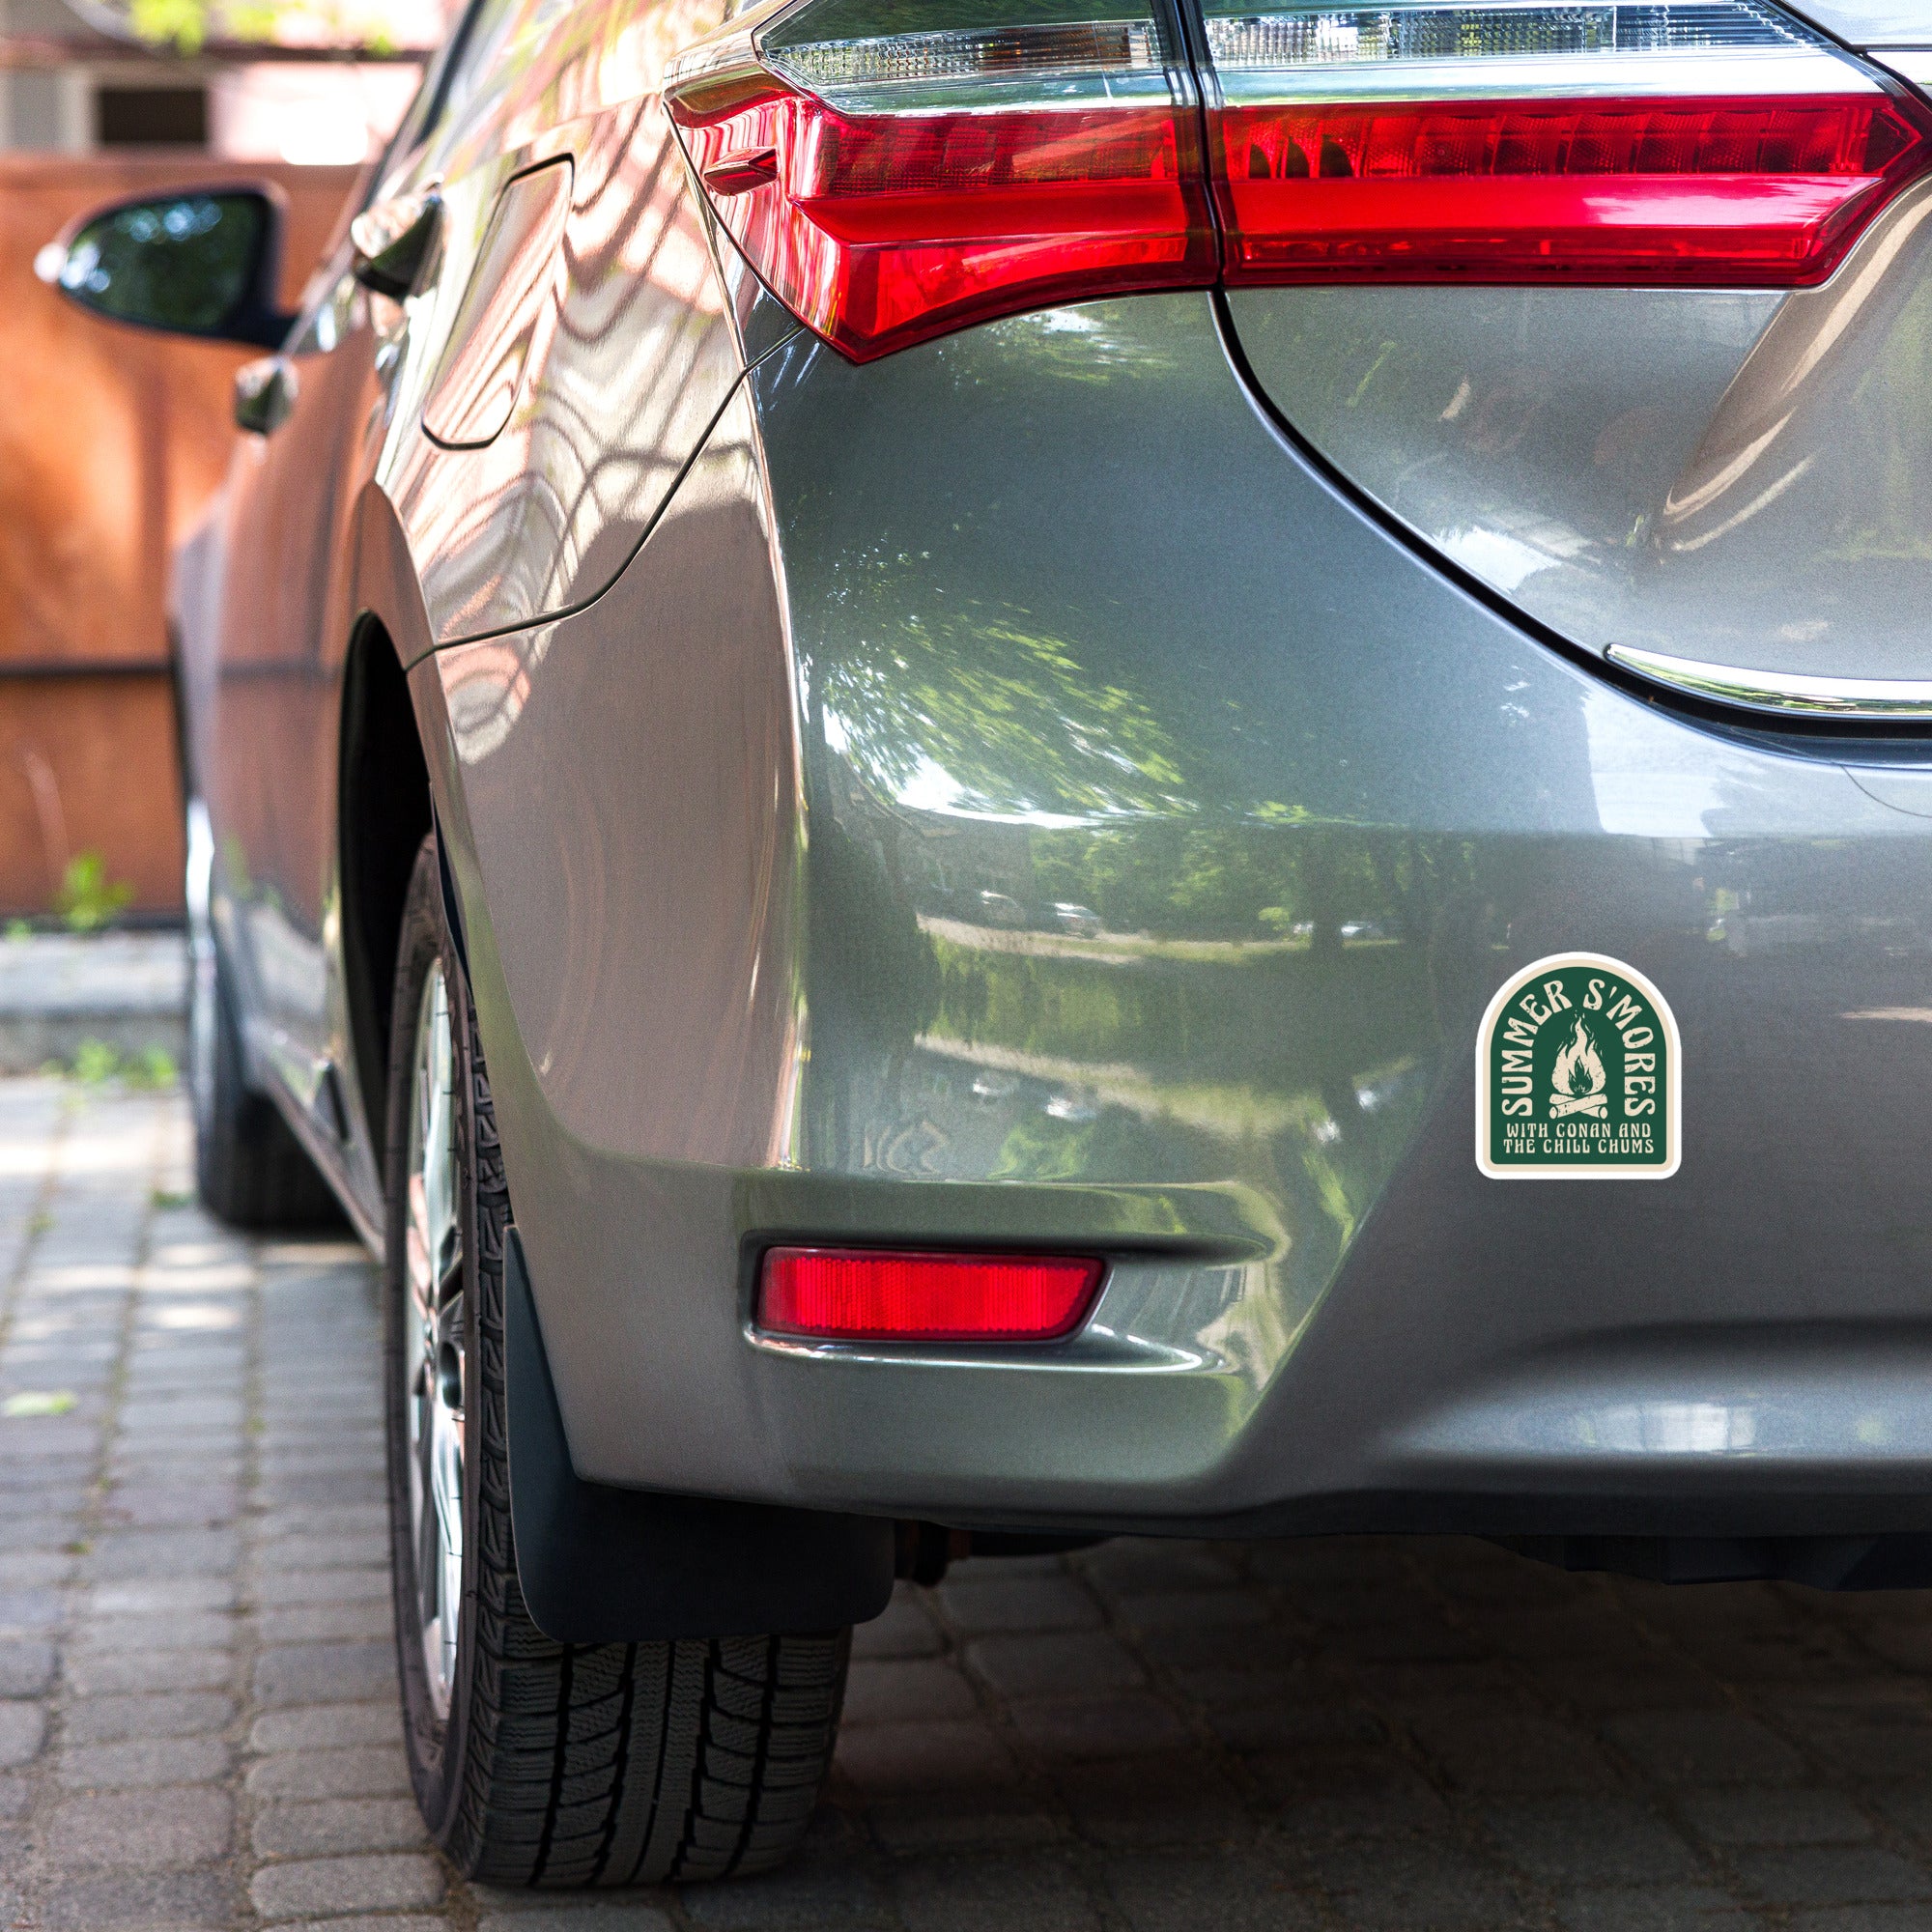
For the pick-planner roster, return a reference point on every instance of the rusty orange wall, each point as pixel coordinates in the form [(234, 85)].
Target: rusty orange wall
[(110, 442)]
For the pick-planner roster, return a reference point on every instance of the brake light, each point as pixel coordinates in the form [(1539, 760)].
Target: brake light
[(858, 1295), (889, 187), (1713, 143)]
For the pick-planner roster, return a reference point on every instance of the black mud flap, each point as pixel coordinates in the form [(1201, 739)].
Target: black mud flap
[(604, 1565)]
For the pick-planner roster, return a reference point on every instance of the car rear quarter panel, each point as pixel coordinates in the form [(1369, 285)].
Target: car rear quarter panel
[(738, 847)]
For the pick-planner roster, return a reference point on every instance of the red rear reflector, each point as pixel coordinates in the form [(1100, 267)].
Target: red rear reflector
[(880, 229), (856, 1294), (1723, 191)]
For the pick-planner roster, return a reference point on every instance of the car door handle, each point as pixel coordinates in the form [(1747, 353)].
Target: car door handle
[(392, 242)]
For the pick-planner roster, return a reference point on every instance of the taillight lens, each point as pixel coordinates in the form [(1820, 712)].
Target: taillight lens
[(862, 1294), (891, 188), (892, 175), (1716, 143)]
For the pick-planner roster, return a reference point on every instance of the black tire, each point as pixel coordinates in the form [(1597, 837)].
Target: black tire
[(249, 1169), (563, 1764)]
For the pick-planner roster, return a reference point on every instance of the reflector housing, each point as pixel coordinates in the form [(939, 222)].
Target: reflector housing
[(1715, 144), (860, 1295)]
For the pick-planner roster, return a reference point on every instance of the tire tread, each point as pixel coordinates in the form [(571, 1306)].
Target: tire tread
[(609, 1763)]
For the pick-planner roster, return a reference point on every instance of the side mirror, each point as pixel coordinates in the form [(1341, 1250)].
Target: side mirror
[(265, 392), (201, 262)]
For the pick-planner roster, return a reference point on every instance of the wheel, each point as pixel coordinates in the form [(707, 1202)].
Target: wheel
[(249, 1169), (533, 1762)]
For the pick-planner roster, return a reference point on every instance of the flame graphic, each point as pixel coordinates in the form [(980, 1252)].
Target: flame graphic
[(1578, 1080)]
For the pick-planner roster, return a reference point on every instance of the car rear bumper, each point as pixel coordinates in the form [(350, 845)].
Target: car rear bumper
[(766, 860)]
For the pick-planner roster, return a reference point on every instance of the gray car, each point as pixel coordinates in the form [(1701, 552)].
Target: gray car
[(1177, 766)]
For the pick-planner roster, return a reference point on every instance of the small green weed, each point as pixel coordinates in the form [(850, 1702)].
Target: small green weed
[(88, 899), (95, 1061), (37, 1402), (153, 1067)]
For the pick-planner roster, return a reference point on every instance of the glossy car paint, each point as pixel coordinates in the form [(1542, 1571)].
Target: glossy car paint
[(1727, 476), (1319, 1312), (755, 834)]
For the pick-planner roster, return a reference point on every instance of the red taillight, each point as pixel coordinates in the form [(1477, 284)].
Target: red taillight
[(857, 1295), (893, 174), (1721, 191), (880, 229)]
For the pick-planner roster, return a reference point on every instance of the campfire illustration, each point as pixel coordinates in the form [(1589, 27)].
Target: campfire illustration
[(1578, 1080)]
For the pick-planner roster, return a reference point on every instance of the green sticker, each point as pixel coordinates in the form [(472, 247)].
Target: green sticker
[(1578, 1075)]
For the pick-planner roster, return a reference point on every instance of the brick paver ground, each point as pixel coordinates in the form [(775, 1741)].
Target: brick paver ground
[(197, 1716)]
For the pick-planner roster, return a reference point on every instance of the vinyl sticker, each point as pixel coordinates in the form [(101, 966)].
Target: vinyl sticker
[(1579, 1073)]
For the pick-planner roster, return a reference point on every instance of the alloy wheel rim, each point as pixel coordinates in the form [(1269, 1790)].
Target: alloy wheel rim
[(433, 1398)]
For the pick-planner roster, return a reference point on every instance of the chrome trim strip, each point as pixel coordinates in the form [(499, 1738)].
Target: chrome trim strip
[(1781, 692)]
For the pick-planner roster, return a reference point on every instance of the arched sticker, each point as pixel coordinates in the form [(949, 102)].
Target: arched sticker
[(1578, 1076)]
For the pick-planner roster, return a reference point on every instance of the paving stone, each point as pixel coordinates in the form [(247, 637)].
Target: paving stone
[(906, 1691), (163, 1553), (804, 1898), (338, 1825), (330, 1552), (1578, 1841), (1231, 1892), (1776, 1816), (1705, 1748), (143, 1761), (366, 1618), (146, 1831), (96, 1672), (176, 1713), (1192, 1610), (1828, 1874), (318, 1672), (1346, 1732), (994, 1603), (26, 1667), (920, 1756), (1131, 1565), (954, 1895), (1128, 1724), (163, 1595), (317, 1888), (158, 1630), (934, 1821), (157, 1902), (23, 1729), (1144, 1804), (365, 1773), (1861, 1919), (322, 1586), (1483, 1749), (1400, 1886), (1054, 1664), (1676, 1907), (1349, 1791), (327, 1726)]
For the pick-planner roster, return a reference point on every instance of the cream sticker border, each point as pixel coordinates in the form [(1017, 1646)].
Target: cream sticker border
[(1589, 1082)]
